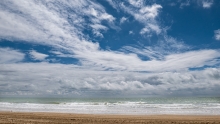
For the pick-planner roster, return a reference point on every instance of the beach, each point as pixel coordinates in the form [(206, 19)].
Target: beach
[(47, 117), (110, 111)]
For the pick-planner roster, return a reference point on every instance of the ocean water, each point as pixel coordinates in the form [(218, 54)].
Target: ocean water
[(134, 106)]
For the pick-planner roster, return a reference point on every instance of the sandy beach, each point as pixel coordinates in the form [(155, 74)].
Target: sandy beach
[(43, 118)]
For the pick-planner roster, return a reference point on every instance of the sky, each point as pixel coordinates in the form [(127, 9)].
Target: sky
[(109, 48)]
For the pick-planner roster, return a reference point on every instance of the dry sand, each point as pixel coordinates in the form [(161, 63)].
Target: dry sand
[(59, 118)]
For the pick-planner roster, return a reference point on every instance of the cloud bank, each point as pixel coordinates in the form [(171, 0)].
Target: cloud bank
[(58, 79)]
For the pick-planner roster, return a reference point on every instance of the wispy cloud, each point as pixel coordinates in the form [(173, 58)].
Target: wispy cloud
[(38, 56), (8, 55), (149, 28), (217, 34), (97, 28), (51, 27), (202, 3), (137, 3), (123, 19), (207, 3), (50, 21), (150, 12), (23, 17), (144, 14), (185, 3), (131, 32), (144, 30)]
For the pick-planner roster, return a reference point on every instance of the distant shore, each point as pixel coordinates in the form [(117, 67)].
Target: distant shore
[(44, 117)]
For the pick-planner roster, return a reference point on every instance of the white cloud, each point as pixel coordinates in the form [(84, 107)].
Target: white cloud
[(144, 30), (107, 17), (38, 56), (150, 28), (148, 16), (185, 3), (172, 4), (131, 62), (97, 33), (207, 3), (97, 14), (123, 19), (155, 28), (43, 23), (44, 79), (8, 55), (147, 52), (203, 3), (57, 53), (137, 3), (145, 15), (50, 23), (49, 26), (191, 59), (114, 4), (150, 11), (47, 22), (217, 34), (131, 32), (97, 28)]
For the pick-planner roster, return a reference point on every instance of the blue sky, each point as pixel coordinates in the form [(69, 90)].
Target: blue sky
[(108, 47)]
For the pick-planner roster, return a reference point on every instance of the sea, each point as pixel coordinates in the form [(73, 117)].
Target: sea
[(123, 106)]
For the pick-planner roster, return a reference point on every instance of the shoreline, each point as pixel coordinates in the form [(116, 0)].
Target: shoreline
[(52, 117)]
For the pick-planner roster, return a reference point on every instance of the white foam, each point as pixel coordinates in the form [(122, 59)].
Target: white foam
[(115, 108)]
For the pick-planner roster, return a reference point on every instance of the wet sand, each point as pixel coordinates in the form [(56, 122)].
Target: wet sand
[(66, 118)]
